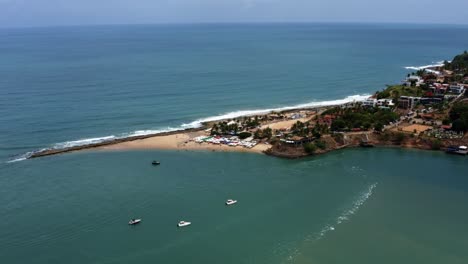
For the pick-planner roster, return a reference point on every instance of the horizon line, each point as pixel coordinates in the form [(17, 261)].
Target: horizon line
[(240, 23)]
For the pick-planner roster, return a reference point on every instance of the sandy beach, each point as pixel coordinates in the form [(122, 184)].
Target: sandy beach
[(286, 124), (180, 141)]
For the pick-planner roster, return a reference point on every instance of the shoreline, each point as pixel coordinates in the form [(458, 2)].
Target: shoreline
[(158, 140), (178, 141), (51, 151), (184, 139)]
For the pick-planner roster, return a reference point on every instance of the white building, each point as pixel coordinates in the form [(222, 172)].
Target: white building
[(413, 79), (456, 89), (370, 102), (385, 102)]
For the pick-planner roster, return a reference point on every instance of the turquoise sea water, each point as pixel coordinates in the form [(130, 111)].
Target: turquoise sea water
[(64, 86), (353, 206), (72, 85)]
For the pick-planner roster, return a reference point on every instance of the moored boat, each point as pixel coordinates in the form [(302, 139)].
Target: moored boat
[(183, 223), (231, 202), (460, 150), (155, 162), (134, 221)]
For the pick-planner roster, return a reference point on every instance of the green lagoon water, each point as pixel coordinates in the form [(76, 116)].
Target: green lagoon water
[(351, 206)]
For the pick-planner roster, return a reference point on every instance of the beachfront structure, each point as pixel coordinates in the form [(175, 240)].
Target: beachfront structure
[(296, 116), (230, 141), (296, 140)]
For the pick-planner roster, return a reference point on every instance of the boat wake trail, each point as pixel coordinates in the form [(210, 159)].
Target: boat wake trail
[(295, 252), (345, 216), (195, 124)]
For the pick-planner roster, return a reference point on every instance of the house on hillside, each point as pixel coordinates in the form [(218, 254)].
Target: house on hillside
[(438, 88), (385, 103), (370, 102), (413, 79), (456, 88), (408, 102), (431, 100)]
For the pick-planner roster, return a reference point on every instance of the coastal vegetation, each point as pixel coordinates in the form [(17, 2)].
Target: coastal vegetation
[(223, 128), (395, 91), (458, 115), (360, 118), (233, 127), (307, 129), (425, 111), (244, 135), (459, 63), (310, 148), (263, 133)]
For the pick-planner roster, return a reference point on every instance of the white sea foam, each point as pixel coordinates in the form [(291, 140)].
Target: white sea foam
[(20, 158), (194, 124), (149, 132), (426, 67), (24, 156), (235, 114), (82, 142), (345, 216)]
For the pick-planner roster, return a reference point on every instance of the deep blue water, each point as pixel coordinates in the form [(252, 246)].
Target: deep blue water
[(65, 84)]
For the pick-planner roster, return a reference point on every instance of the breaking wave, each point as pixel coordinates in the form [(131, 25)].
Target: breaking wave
[(230, 115), (194, 124), (426, 67)]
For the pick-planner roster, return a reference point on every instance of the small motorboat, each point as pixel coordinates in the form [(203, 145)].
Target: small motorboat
[(231, 202), (155, 162), (183, 223), (134, 221)]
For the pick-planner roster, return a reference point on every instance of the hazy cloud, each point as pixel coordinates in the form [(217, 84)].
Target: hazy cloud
[(71, 12)]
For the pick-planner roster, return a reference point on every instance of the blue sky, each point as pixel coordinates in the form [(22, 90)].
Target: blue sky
[(19, 13)]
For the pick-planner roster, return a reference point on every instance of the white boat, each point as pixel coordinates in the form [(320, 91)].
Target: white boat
[(183, 223), (231, 202), (134, 221)]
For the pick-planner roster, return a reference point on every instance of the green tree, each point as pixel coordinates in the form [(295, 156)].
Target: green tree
[(378, 126), (436, 144), (321, 144), (338, 125), (267, 133), (459, 125), (310, 148), (399, 138), (258, 134), (244, 135)]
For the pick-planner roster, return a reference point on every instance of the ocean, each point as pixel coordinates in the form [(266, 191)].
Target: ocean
[(65, 86)]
